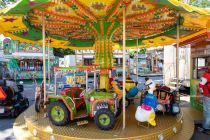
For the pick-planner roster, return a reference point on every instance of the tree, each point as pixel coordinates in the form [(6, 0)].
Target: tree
[(141, 51), (4, 3), (62, 52), (200, 3)]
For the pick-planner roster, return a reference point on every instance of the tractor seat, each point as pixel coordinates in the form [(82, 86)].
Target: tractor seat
[(74, 93)]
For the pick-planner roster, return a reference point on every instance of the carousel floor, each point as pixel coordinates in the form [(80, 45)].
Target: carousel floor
[(32, 125)]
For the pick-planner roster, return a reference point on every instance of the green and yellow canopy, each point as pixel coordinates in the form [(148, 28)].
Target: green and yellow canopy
[(80, 24)]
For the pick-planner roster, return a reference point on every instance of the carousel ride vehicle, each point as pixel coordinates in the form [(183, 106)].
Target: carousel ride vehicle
[(102, 106), (11, 103), (131, 91), (167, 99), (75, 103)]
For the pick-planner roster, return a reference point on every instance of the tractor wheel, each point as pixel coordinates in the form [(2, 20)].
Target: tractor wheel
[(104, 119), (26, 103), (38, 104), (15, 112), (58, 113)]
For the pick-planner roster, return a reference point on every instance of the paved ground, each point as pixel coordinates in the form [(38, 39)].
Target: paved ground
[(6, 124)]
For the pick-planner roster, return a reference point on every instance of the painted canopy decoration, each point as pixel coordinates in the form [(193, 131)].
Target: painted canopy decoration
[(6, 40), (97, 24)]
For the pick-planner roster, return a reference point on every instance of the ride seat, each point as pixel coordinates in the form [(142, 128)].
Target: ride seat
[(10, 93), (74, 93), (163, 99), (9, 96), (3, 95), (163, 95)]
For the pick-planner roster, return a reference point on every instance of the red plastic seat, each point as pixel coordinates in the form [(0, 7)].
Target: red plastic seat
[(75, 94), (3, 95)]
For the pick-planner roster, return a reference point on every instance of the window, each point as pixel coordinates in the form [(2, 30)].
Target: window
[(199, 66), (88, 62), (118, 61)]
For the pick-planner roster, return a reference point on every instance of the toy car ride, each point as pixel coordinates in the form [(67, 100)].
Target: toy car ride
[(100, 105), (168, 100), (11, 103), (76, 104)]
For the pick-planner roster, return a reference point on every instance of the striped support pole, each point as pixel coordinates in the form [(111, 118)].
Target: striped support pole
[(44, 56), (86, 80), (124, 68), (94, 80), (137, 60), (49, 62), (177, 53)]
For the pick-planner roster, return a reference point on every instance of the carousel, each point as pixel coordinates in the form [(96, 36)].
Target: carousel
[(67, 107)]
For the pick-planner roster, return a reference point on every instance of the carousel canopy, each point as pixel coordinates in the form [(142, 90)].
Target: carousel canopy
[(79, 24)]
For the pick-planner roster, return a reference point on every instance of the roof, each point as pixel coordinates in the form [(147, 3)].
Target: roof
[(77, 24)]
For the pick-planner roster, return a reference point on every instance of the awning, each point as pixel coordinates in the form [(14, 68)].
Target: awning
[(24, 55)]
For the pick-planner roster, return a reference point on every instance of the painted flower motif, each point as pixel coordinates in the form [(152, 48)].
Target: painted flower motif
[(137, 7), (25, 33), (6, 40), (98, 6)]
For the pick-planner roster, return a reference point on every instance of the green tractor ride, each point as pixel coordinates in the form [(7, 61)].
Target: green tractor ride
[(102, 106), (76, 104)]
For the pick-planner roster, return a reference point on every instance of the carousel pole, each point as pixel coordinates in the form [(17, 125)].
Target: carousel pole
[(137, 60), (163, 70), (49, 62), (177, 52), (86, 80), (82, 58), (74, 77), (94, 80), (55, 84), (124, 67), (44, 56)]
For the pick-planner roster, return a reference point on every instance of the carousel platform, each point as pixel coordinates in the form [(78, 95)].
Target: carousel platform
[(33, 126)]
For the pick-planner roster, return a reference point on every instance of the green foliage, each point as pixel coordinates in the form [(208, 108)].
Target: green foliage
[(131, 54), (3, 3), (141, 51), (200, 3), (62, 52)]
